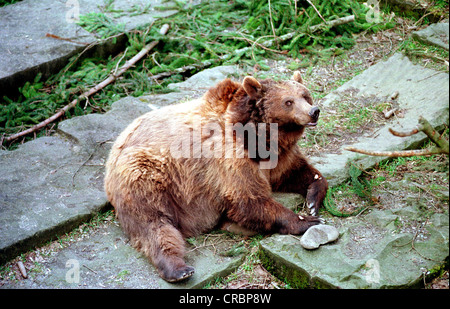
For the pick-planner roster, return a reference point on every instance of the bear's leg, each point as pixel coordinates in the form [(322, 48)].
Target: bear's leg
[(165, 246), (235, 228), (160, 242), (307, 181), (316, 193), (264, 214)]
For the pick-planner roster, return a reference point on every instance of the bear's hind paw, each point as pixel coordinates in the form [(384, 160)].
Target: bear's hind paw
[(181, 274)]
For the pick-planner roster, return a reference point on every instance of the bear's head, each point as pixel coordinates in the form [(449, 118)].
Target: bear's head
[(286, 103)]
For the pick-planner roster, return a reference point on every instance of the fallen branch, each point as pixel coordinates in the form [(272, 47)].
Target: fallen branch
[(93, 90), (397, 154), (423, 126), (201, 65)]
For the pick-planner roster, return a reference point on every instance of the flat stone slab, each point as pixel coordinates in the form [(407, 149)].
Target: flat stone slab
[(107, 260), (435, 34), (370, 253), (25, 50)]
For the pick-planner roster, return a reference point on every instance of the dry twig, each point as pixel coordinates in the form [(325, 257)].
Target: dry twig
[(423, 126), (317, 11), (49, 35), (271, 22)]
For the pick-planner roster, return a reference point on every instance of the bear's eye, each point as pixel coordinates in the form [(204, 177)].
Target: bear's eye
[(289, 103)]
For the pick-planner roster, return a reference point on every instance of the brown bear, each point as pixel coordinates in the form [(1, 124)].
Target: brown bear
[(184, 169)]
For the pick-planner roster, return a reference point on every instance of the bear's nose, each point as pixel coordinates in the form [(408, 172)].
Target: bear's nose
[(314, 113)]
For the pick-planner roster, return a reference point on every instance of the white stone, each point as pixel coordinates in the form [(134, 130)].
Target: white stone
[(318, 235)]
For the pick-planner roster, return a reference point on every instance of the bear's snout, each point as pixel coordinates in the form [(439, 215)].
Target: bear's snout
[(314, 114)]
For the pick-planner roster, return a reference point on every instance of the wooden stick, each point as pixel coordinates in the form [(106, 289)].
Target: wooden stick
[(22, 269), (436, 138), (287, 36), (201, 65), (93, 90), (425, 127), (334, 23), (317, 11), (271, 22), (404, 134), (49, 35), (397, 154)]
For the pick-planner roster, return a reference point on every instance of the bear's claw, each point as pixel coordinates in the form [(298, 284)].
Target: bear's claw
[(321, 220), (181, 274)]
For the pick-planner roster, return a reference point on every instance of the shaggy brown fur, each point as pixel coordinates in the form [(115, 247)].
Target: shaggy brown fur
[(160, 198)]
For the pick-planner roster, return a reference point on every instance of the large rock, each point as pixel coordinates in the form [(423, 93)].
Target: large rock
[(370, 253), (26, 50), (435, 34)]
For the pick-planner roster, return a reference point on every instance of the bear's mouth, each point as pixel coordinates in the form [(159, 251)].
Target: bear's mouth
[(311, 124)]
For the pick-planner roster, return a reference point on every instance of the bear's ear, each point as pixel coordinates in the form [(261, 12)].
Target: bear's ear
[(251, 86), (297, 77)]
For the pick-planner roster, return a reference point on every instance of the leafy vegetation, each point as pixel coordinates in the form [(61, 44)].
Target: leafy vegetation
[(357, 185), (208, 32), (433, 56), (6, 2)]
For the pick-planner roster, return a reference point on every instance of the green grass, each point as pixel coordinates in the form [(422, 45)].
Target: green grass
[(424, 54)]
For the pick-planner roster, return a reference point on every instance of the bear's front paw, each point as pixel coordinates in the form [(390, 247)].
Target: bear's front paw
[(305, 222), (315, 194)]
